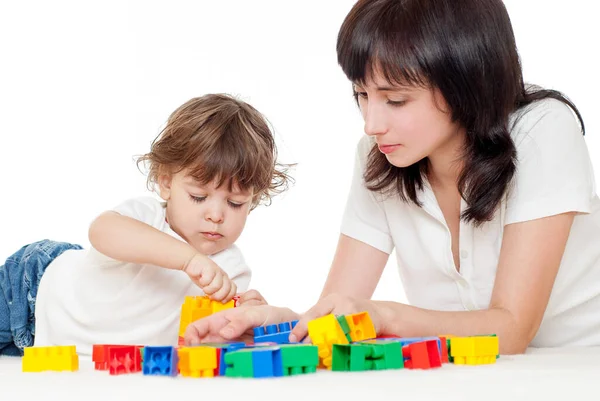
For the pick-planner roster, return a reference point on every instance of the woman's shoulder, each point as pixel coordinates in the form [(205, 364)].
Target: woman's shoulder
[(550, 119)]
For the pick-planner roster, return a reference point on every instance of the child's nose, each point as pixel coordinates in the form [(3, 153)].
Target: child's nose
[(215, 215)]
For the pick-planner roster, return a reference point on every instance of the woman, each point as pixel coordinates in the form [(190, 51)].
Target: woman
[(482, 184)]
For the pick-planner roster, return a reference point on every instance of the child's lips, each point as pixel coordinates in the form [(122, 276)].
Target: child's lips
[(211, 235)]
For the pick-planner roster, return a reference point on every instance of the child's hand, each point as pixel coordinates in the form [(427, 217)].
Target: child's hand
[(207, 275), (251, 298), (235, 324), (338, 305)]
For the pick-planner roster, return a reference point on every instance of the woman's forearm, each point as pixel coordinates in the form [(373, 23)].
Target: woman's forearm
[(409, 321)]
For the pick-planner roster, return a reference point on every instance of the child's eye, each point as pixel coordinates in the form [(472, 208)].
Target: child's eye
[(197, 199), (235, 205)]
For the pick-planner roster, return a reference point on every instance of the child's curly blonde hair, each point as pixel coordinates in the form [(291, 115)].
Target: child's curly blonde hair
[(218, 137)]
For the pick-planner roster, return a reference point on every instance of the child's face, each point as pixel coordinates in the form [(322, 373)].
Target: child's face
[(208, 218), (408, 123)]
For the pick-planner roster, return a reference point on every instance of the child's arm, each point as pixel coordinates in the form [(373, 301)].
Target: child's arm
[(129, 240)]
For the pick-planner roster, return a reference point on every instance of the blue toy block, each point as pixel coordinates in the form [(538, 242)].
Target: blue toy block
[(224, 350), (161, 361), (273, 333), (266, 362)]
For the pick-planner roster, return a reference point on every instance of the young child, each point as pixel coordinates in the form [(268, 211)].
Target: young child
[(212, 164)]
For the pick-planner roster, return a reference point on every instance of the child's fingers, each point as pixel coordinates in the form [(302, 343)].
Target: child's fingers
[(322, 308), (213, 287), (223, 294), (232, 291), (206, 277)]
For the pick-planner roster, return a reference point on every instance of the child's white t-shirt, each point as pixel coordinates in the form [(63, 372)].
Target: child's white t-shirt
[(554, 175), (87, 298)]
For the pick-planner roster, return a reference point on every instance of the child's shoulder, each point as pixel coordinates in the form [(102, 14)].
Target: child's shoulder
[(144, 208)]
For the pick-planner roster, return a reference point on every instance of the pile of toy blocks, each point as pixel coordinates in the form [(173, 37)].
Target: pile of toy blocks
[(339, 343)]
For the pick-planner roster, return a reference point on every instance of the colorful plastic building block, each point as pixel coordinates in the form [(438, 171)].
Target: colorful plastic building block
[(198, 361), (299, 359), (274, 333), (39, 359), (254, 362), (367, 356), (222, 349), (195, 308), (124, 359), (475, 350), (344, 325), (324, 332), (422, 355), (100, 354), (361, 327), (160, 361)]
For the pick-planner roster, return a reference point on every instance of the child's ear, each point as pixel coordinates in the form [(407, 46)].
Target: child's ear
[(164, 186)]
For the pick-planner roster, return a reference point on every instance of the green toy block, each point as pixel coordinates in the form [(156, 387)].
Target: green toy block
[(345, 327), (450, 357), (360, 356), (239, 363), (299, 358), (385, 355), (348, 358)]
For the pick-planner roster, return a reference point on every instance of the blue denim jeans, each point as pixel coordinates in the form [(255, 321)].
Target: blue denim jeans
[(19, 280)]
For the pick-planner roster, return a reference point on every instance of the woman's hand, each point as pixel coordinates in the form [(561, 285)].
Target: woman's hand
[(339, 305), (250, 298), (235, 324)]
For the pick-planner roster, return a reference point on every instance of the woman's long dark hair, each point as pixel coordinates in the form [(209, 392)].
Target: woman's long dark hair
[(464, 48)]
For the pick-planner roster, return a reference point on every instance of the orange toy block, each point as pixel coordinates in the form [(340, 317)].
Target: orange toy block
[(39, 359), (324, 332), (198, 361), (195, 308), (361, 326)]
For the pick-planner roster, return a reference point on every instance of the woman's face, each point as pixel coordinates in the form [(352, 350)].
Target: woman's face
[(408, 123)]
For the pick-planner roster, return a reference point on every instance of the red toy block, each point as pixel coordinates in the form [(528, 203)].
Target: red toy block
[(422, 355), (124, 359), (415, 356), (100, 356), (444, 350)]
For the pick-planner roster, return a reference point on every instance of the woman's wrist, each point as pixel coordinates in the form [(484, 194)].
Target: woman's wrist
[(390, 318)]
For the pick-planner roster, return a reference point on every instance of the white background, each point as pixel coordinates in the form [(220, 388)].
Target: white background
[(86, 86)]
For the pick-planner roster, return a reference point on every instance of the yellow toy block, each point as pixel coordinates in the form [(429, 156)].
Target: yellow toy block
[(197, 361), (39, 359), (195, 308), (324, 332), (361, 326), (477, 350)]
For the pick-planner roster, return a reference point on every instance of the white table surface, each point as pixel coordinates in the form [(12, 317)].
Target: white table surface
[(554, 374)]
